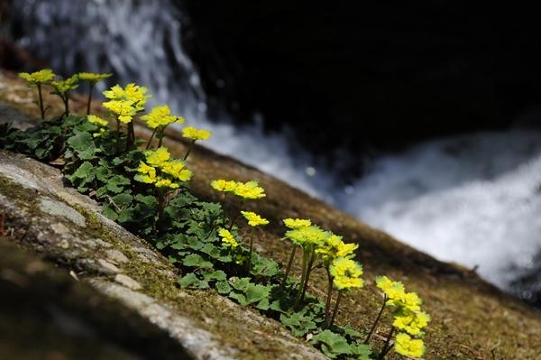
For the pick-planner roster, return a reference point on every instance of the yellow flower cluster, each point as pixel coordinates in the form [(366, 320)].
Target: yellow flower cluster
[(247, 190), (102, 124), (407, 346), (408, 317), (124, 109), (92, 77), (228, 239), (38, 77), (160, 116), (195, 134), (254, 219), (125, 103), (325, 244), (296, 223), (312, 236), (346, 273), (97, 120), (63, 86), (161, 170), (333, 248), (131, 93)]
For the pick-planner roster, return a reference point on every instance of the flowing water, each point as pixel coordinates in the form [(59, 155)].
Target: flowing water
[(473, 199)]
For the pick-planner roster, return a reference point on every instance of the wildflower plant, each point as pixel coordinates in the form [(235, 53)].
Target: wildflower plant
[(158, 119), (409, 320), (147, 191), (124, 104), (38, 79), (193, 134), (92, 79), (62, 89)]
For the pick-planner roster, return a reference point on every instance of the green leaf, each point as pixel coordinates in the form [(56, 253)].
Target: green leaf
[(195, 260), (191, 280), (223, 287), (240, 284), (115, 183), (122, 200), (256, 293), (85, 171), (239, 297), (109, 212), (126, 215), (216, 275), (81, 141), (265, 267), (147, 199), (299, 323), (361, 351), (333, 345), (263, 304)]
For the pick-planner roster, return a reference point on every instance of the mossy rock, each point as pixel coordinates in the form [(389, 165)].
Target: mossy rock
[(471, 319)]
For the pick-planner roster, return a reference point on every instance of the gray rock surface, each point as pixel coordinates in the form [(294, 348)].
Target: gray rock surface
[(67, 230)]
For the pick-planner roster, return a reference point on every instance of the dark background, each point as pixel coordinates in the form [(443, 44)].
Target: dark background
[(371, 74)]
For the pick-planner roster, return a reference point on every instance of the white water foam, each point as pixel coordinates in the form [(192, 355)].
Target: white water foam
[(473, 199)]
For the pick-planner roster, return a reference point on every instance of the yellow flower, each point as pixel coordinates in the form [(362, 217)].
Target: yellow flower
[(394, 290), (334, 247), (176, 169), (133, 93), (224, 185), (254, 219), (63, 86), (122, 108), (227, 238), (192, 133), (161, 116), (411, 322), (136, 94), (157, 157), (412, 301), (147, 174), (161, 182), (346, 273), (249, 190), (310, 236), (96, 120), (92, 77), (406, 346), (38, 77), (100, 132), (296, 223), (115, 93)]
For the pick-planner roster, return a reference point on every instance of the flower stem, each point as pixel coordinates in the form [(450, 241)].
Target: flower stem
[(131, 136), (42, 110), (386, 347), (376, 321), (151, 137), (91, 88), (249, 264), (289, 264), (335, 310), (189, 149), (328, 301)]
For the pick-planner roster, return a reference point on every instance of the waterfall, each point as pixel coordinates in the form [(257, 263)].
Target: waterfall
[(472, 199), (140, 41)]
